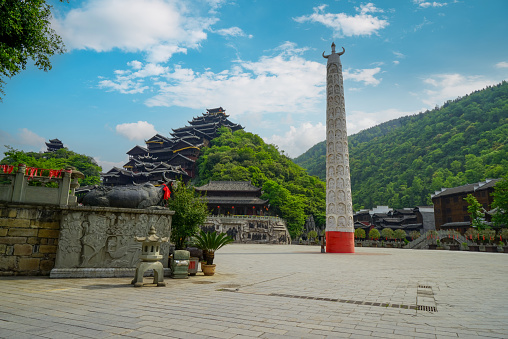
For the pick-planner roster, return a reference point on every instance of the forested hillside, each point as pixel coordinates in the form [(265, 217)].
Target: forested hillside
[(242, 156), (401, 162)]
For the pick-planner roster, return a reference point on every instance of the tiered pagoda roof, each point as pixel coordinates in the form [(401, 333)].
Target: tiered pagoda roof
[(54, 145), (181, 150)]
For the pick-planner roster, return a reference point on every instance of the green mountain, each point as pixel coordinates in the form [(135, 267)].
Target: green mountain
[(401, 162), (242, 156)]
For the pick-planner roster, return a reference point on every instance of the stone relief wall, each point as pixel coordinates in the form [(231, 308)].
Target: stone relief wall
[(101, 237), (255, 230)]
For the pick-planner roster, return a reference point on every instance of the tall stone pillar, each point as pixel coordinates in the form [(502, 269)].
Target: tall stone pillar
[(339, 206)]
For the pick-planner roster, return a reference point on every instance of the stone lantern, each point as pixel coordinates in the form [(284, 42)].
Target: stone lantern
[(150, 259)]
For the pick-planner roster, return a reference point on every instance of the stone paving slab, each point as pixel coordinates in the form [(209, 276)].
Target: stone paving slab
[(274, 291)]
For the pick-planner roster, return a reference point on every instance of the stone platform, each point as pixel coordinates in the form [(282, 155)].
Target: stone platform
[(272, 291)]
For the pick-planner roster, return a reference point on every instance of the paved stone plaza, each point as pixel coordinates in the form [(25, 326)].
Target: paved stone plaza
[(271, 291)]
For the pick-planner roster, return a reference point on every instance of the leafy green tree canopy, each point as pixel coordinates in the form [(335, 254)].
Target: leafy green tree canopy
[(191, 211), (476, 212), (500, 202), (243, 156), (26, 33), (60, 159)]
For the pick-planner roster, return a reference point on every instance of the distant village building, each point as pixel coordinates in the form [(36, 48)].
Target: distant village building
[(165, 159), (450, 208), (420, 218), (234, 198), (54, 145)]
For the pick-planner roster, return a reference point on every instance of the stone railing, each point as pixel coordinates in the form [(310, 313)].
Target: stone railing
[(256, 217), (14, 188), (430, 237)]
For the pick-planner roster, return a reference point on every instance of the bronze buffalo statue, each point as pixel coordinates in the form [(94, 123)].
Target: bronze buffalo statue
[(136, 196)]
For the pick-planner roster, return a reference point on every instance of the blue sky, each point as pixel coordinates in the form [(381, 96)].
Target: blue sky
[(134, 68)]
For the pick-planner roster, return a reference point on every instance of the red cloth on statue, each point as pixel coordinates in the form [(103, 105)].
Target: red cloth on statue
[(167, 192)]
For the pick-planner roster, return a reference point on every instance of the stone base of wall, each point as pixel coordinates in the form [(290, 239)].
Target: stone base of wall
[(78, 242), (28, 239), (249, 229), (100, 273)]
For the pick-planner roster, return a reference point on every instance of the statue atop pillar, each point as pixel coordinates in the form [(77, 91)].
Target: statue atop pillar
[(339, 205)]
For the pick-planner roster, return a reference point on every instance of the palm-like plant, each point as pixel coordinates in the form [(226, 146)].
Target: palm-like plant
[(210, 242)]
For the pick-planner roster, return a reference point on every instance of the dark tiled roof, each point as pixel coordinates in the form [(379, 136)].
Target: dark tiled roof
[(469, 188), (455, 224), (245, 186), (236, 200)]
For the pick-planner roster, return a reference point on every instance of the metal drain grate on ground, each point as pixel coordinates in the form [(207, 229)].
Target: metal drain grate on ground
[(427, 308), (356, 302), (425, 298)]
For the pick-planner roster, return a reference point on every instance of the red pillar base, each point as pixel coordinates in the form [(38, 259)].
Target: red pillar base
[(340, 242)]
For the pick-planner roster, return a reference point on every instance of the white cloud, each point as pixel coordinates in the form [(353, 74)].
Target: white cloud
[(232, 31), (426, 4), (299, 139), (363, 75), (451, 86), (159, 28), (502, 64), (107, 165), (396, 62), (280, 83), (347, 25), (129, 82), (358, 121), (136, 130), (284, 82), (29, 138), (399, 55)]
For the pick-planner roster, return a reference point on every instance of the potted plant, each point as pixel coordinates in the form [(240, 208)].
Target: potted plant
[(500, 247), (210, 242), (387, 234), (472, 234), (488, 235), (464, 246), (400, 235), (374, 235), (503, 235), (359, 234)]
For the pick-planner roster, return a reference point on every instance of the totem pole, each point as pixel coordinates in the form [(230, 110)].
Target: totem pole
[(339, 207)]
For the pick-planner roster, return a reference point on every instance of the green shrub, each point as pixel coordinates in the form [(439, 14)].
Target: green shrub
[(360, 233), (374, 234)]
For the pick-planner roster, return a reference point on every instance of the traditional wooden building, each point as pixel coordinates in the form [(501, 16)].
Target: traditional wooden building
[(234, 198), (450, 208), (54, 145), (171, 157), (420, 218)]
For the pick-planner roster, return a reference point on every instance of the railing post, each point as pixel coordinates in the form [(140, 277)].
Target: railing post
[(18, 192), (64, 187)]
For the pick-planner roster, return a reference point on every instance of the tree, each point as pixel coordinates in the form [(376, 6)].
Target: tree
[(414, 235), (60, 159), (500, 202), (399, 234), (374, 234), (360, 233), (26, 33), (387, 233), (476, 213), (191, 211)]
